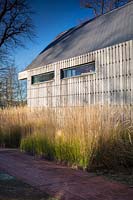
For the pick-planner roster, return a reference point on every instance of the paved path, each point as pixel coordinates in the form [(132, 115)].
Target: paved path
[(60, 181)]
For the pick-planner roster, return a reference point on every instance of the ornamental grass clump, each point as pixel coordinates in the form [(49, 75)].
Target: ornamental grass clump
[(90, 137)]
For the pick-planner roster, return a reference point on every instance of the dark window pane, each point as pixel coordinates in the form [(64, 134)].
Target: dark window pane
[(42, 77), (78, 70)]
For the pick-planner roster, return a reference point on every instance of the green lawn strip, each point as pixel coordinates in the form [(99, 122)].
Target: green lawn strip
[(13, 189)]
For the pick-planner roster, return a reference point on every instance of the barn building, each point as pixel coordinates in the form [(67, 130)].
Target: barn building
[(91, 63)]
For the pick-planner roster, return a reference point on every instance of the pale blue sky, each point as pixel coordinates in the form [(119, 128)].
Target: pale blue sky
[(51, 18)]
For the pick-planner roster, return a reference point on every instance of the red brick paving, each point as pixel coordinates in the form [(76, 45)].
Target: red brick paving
[(60, 181)]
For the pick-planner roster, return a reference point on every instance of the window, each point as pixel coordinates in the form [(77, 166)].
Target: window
[(42, 77), (78, 70)]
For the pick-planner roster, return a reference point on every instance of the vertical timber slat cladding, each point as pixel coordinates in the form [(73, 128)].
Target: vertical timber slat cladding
[(129, 72), (107, 76), (115, 70), (131, 68), (110, 83), (131, 75), (63, 73), (120, 74)]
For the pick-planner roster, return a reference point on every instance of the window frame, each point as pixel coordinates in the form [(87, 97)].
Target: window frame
[(76, 66), (40, 82)]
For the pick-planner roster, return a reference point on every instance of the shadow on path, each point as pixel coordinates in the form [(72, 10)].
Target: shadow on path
[(60, 181)]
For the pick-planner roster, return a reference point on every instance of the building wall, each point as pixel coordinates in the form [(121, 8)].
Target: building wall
[(112, 83)]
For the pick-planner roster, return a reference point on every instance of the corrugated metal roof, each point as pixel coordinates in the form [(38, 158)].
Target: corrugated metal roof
[(106, 30)]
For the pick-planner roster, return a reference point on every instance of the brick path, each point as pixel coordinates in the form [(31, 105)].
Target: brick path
[(60, 181)]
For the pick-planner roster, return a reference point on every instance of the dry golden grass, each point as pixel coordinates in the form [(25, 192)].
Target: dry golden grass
[(87, 137)]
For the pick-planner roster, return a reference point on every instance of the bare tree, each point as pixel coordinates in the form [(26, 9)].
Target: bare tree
[(16, 26), (100, 7), (15, 23), (12, 91)]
